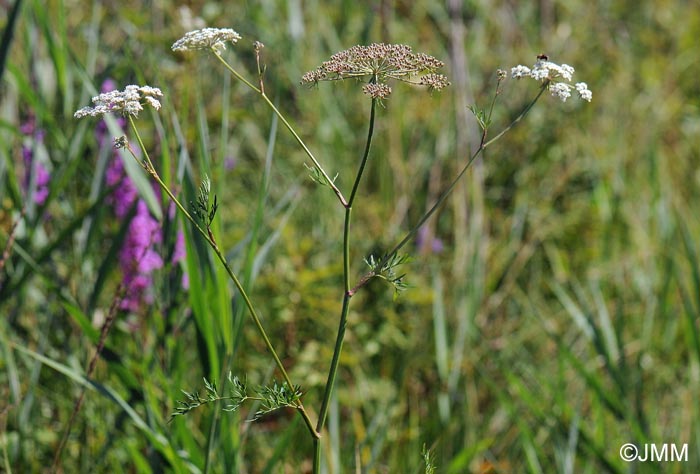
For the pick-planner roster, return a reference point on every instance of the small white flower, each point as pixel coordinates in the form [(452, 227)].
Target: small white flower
[(540, 72), (583, 92), (152, 102), (567, 72), (556, 78), (150, 91), (85, 111), (560, 90), (519, 71), (127, 102), (207, 38), (133, 108)]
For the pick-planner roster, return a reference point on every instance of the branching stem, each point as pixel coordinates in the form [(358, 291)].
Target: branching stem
[(445, 194), (340, 337), (296, 136)]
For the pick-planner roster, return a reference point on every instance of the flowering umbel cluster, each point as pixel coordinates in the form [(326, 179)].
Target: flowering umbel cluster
[(130, 101), (380, 62), (558, 78), (207, 38)]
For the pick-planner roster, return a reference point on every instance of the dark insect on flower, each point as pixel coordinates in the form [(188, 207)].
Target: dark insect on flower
[(543, 57)]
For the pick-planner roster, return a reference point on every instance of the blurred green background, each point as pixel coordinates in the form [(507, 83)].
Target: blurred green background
[(553, 313)]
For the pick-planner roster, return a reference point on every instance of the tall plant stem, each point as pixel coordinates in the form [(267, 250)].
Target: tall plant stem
[(296, 136), (447, 191), (517, 119), (340, 337), (148, 165)]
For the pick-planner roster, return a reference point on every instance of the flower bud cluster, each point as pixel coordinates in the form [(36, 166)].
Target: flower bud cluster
[(380, 62)]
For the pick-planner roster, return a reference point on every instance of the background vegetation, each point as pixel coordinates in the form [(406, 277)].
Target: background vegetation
[(556, 318)]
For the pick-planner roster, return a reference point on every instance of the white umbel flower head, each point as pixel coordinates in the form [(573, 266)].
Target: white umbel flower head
[(560, 90), (207, 38), (583, 92), (130, 101), (520, 71), (557, 78)]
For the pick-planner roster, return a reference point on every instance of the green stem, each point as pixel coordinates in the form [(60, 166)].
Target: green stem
[(517, 119), (296, 136), (493, 101), (335, 362), (148, 164), (445, 194), (360, 171)]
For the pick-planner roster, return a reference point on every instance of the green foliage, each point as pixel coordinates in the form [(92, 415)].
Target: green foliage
[(271, 398), (275, 397), (203, 209), (428, 460), (317, 177), (384, 267), (556, 322), (480, 116)]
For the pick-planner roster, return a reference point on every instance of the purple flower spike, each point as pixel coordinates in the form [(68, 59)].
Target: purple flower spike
[(33, 167), (138, 259)]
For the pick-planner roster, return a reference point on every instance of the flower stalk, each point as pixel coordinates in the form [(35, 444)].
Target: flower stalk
[(148, 166), (289, 127), (347, 294), (375, 65)]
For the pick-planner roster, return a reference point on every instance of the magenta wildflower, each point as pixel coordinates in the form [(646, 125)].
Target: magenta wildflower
[(230, 162), (179, 254), (36, 175), (124, 194), (179, 251), (138, 258), (427, 243)]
